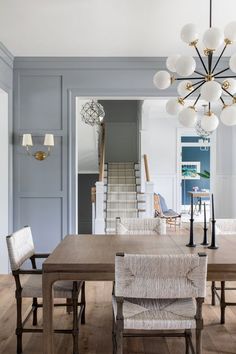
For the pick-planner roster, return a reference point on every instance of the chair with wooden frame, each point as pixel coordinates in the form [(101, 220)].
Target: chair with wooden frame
[(162, 211), (225, 227), (159, 296), (142, 226), (20, 249)]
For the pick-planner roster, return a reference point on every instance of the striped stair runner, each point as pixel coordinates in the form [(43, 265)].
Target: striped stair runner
[(123, 186)]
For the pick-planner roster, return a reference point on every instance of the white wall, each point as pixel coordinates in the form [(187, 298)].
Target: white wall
[(4, 187), (159, 142), (87, 143)]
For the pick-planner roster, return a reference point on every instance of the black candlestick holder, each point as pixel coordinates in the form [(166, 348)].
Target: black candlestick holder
[(205, 240), (213, 245), (191, 240)]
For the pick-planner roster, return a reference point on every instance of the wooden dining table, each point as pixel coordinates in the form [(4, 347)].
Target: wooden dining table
[(92, 257)]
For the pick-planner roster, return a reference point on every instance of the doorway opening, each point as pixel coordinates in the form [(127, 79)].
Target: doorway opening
[(4, 185), (195, 174)]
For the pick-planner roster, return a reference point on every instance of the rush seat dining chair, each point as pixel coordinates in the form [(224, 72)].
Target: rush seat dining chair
[(162, 211), (135, 226), (159, 296), (20, 249), (222, 227)]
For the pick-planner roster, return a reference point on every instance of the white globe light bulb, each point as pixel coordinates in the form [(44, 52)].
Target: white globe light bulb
[(174, 106), (230, 31), (213, 38), (211, 91), (189, 33), (185, 65), (228, 115), (209, 122), (229, 85), (188, 117), (184, 88), (171, 62), (162, 80), (232, 63)]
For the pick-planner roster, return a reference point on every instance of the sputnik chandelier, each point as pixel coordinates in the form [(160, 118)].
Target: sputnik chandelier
[(209, 84)]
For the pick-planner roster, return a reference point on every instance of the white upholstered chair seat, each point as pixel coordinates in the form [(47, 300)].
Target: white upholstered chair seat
[(32, 287), (162, 314)]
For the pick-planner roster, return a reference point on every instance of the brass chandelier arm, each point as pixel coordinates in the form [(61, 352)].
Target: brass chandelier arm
[(201, 83), (227, 92), (226, 77), (219, 58), (220, 72), (197, 72), (188, 78), (200, 57), (223, 102), (196, 100)]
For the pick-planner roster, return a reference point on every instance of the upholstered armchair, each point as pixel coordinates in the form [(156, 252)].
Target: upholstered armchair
[(159, 296), (21, 249)]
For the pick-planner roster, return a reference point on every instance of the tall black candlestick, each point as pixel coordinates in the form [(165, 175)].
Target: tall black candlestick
[(212, 207), (191, 240), (205, 241), (213, 245)]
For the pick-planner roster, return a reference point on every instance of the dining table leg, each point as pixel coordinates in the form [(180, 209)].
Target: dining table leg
[(47, 284)]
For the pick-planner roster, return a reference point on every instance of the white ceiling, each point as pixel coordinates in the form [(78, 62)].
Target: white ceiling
[(104, 27)]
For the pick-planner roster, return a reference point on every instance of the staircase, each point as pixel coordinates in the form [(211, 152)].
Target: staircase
[(123, 197)]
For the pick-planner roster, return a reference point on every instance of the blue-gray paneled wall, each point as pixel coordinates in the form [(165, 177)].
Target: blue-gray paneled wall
[(44, 101), (6, 84)]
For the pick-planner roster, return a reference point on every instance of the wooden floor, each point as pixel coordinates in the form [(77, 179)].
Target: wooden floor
[(95, 337)]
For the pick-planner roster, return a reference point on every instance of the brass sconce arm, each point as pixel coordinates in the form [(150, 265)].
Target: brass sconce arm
[(40, 155)]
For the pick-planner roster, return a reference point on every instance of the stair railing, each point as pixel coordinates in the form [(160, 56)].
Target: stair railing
[(102, 153), (97, 192), (149, 190)]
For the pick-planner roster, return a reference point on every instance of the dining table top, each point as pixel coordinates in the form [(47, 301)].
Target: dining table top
[(93, 256)]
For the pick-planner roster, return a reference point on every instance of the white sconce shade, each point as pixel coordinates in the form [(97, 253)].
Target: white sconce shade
[(27, 140), (171, 62), (232, 63), (213, 38), (228, 115), (188, 117), (209, 122), (230, 31), (229, 85), (49, 140), (162, 79), (189, 33), (185, 65), (211, 91), (174, 106), (184, 88)]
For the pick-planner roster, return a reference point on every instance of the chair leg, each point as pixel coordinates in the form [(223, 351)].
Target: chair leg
[(35, 311), (198, 341), (119, 342), (69, 307), (19, 326), (83, 301), (213, 295), (113, 336), (75, 331), (222, 303), (186, 342)]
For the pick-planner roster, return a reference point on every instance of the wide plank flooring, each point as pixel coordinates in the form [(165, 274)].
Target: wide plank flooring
[(95, 337)]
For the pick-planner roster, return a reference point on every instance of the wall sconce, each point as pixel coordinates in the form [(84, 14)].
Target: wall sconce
[(38, 155)]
